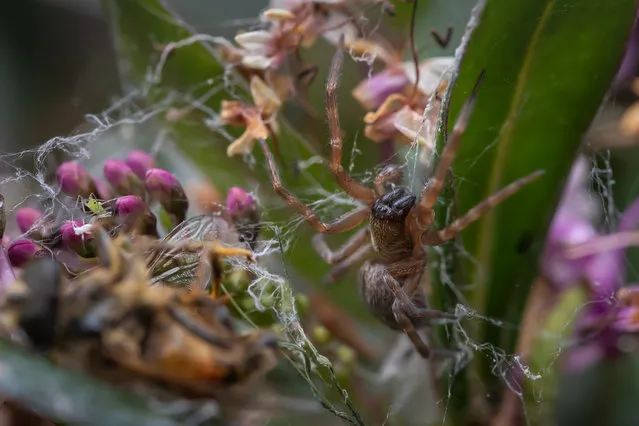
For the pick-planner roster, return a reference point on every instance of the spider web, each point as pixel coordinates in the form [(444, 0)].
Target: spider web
[(403, 378)]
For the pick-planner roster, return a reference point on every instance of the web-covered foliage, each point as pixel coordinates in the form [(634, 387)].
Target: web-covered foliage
[(176, 82)]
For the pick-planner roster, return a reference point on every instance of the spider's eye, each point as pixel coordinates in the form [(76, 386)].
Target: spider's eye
[(395, 204)]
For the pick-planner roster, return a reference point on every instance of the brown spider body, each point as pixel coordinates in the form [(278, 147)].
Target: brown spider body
[(389, 234), (400, 224), (391, 240)]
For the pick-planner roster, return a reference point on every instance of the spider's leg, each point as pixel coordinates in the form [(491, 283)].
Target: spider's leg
[(331, 257), (407, 325), (435, 237), (340, 268), (431, 190), (345, 223), (392, 173), (411, 272), (351, 186)]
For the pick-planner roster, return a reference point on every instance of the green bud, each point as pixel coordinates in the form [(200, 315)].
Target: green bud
[(302, 304), (346, 355), (321, 334)]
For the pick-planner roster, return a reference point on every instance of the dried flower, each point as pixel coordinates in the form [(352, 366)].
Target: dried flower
[(288, 29), (121, 178), (22, 251), (403, 111), (76, 236), (165, 189), (266, 102), (74, 180), (26, 217), (139, 161)]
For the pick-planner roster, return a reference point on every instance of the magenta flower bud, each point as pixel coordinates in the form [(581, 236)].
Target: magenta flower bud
[(22, 251), (165, 189), (136, 214), (243, 209), (77, 237), (239, 201), (74, 180), (121, 178), (139, 161), (129, 204), (26, 217)]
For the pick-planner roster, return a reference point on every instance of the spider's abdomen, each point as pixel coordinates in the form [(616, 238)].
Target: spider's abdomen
[(387, 224), (378, 295)]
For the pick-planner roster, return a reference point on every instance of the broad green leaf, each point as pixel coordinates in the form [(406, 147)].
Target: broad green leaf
[(70, 397), (548, 66)]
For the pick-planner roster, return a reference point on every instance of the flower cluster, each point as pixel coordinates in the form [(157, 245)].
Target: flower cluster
[(260, 54), (403, 101), (577, 255), (123, 201)]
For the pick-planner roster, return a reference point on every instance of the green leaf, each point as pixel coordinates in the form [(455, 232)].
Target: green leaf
[(548, 66), (69, 397)]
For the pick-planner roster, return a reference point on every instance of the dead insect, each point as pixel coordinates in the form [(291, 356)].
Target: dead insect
[(171, 262), (112, 325), (399, 225)]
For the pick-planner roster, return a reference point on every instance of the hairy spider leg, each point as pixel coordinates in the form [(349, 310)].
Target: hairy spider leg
[(424, 209), (351, 186), (345, 223), (351, 245), (435, 237), (407, 315), (431, 190), (355, 249), (392, 173), (340, 268)]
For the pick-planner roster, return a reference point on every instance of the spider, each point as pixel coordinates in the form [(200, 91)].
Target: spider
[(400, 224)]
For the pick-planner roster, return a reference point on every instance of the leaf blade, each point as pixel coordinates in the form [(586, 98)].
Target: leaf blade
[(548, 65)]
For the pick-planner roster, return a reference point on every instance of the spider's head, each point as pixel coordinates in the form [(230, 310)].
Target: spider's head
[(394, 205)]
